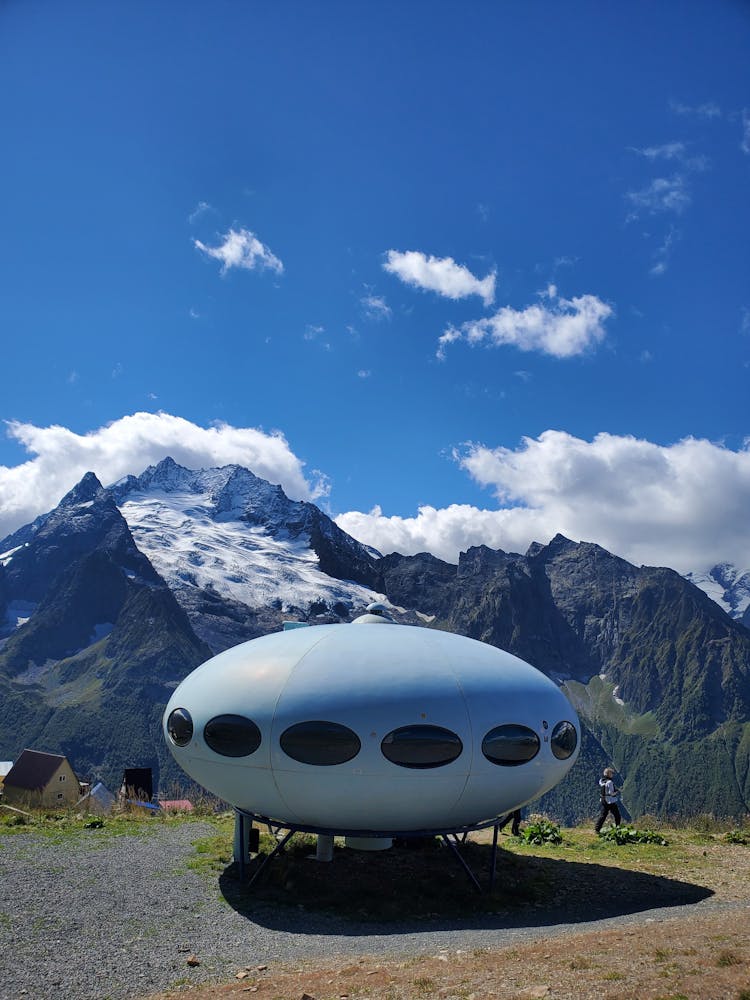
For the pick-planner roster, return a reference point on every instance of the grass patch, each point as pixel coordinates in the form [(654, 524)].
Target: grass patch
[(62, 824), (580, 964), (424, 985), (212, 854), (727, 958)]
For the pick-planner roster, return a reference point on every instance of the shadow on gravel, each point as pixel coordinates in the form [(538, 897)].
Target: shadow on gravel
[(399, 890)]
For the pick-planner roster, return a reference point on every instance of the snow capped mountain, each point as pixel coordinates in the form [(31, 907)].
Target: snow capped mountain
[(232, 546), (727, 585), (110, 599)]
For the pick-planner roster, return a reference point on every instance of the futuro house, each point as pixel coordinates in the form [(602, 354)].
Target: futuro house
[(371, 726)]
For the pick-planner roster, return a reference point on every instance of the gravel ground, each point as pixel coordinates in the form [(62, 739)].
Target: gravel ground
[(91, 916)]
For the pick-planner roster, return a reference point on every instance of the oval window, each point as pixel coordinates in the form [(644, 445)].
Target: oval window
[(321, 743), (421, 746), (564, 740), (510, 745), (232, 735), (180, 727)]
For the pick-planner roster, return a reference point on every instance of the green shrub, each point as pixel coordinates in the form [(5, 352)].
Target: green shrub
[(736, 837), (630, 835), (541, 832), (16, 819)]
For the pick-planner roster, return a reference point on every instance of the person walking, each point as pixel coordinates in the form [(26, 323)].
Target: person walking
[(514, 818), (610, 796)]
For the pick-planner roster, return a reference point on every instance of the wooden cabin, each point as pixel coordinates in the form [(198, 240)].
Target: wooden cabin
[(42, 780)]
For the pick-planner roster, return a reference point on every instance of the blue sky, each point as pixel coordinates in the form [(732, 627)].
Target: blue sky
[(459, 272)]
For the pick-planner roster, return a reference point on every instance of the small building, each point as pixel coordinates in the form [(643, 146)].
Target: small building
[(41, 779), (97, 800), (137, 783)]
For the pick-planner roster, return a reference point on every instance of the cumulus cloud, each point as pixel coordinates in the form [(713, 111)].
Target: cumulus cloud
[(241, 248), (682, 505), (444, 532), (560, 327), (439, 274), (127, 446)]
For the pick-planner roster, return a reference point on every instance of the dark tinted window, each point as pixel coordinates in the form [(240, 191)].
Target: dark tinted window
[(321, 743), (232, 735), (510, 745), (421, 746), (564, 740), (180, 727)]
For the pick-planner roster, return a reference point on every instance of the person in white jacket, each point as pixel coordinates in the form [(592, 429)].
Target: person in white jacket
[(610, 796)]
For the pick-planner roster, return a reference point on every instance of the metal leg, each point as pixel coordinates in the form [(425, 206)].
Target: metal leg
[(461, 861), (269, 857), (241, 823), (493, 865)]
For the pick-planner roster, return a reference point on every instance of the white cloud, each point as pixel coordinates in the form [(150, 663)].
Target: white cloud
[(663, 194), (745, 143), (198, 211), (706, 110), (130, 444), (364, 373), (562, 328), (242, 249), (444, 532), (674, 151), (662, 254), (439, 274), (667, 151), (375, 306), (682, 505)]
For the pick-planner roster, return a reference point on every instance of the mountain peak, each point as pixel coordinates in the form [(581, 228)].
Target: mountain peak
[(168, 473), (560, 542), (83, 492)]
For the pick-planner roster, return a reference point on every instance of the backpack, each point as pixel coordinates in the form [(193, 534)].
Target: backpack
[(603, 792)]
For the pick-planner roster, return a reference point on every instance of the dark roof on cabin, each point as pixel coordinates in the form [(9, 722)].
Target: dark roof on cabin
[(33, 769)]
